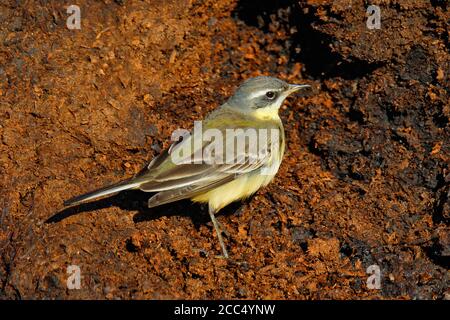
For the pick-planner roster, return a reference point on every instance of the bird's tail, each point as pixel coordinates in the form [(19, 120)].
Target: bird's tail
[(121, 186)]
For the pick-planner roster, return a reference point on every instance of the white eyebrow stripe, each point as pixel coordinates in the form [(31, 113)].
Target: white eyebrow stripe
[(258, 93), (261, 93)]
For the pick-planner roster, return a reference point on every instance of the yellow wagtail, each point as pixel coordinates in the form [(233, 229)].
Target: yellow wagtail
[(239, 150)]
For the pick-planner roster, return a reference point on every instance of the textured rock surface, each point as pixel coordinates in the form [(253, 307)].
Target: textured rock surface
[(365, 178)]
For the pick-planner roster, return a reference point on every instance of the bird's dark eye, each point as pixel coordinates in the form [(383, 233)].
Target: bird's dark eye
[(270, 95)]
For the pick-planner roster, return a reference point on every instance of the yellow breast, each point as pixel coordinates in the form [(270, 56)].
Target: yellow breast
[(247, 184), (241, 188)]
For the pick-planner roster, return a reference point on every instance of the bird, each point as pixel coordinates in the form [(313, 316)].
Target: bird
[(225, 174)]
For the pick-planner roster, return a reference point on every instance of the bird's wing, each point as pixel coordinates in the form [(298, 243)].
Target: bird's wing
[(212, 177), (180, 181), (169, 175)]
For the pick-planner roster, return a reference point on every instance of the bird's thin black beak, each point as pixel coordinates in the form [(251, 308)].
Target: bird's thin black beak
[(295, 87)]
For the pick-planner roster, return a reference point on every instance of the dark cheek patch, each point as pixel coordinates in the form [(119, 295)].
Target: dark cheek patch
[(261, 103)]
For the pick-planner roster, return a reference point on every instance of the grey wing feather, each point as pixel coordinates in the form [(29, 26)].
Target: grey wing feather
[(164, 197), (213, 178), (187, 180)]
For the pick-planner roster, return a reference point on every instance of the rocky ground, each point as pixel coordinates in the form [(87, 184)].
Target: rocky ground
[(365, 179)]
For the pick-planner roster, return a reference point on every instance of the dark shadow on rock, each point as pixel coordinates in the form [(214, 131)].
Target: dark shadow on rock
[(134, 200), (438, 254), (308, 45), (257, 13), (440, 208), (127, 200), (198, 213)]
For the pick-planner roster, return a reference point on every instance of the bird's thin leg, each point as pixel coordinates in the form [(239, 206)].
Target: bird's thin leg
[(218, 232)]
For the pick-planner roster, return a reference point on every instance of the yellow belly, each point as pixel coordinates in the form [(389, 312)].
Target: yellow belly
[(241, 188)]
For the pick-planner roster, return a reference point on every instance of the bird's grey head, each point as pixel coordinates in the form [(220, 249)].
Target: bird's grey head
[(262, 94)]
